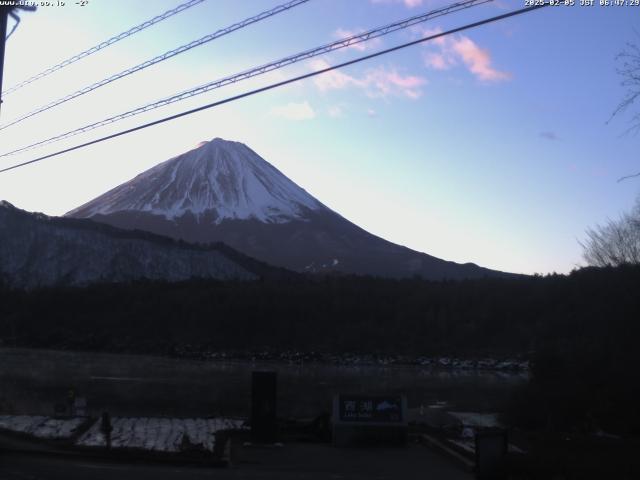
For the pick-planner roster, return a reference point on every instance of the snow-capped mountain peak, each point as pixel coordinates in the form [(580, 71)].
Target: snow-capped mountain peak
[(224, 192), (221, 177)]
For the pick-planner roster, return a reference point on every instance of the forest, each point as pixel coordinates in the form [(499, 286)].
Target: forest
[(579, 331)]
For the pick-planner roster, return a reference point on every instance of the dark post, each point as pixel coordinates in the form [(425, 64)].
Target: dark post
[(106, 427), (491, 450), (4, 15), (264, 426), (71, 398)]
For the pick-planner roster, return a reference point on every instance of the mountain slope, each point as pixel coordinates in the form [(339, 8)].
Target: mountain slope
[(223, 191), (37, 250), (225, 179)]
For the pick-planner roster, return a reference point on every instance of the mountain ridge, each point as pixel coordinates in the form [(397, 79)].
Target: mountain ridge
[(39, 251)]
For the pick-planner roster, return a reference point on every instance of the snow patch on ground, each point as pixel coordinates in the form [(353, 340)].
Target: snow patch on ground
[(159, 434), (478, 420), (40, 426), (469, 445)]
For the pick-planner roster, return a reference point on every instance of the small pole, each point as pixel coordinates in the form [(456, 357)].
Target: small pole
[(106, 428), (264, 412)]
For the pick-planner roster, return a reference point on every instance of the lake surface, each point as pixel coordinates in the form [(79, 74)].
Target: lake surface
[(33, 381)]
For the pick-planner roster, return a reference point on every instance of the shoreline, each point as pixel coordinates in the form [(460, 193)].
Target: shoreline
[(506, 364)]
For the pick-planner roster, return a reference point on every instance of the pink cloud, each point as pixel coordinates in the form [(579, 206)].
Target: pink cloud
[(478, 60), (381, 82), (437, 61), (407, 3), (450, 51), (376, 83)]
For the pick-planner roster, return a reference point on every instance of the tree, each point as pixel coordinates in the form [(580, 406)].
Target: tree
[(629, 70), (616, 243)]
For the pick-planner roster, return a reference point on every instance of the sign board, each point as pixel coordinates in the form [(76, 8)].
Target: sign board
[(369, 419), (79, 408), (363, 408)]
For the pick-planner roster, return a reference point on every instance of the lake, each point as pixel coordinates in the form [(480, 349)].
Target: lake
[(33, 381)]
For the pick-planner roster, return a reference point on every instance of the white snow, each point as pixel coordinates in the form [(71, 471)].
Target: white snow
[(467, 445), (21, 423), (473, 422), (225, 178), (470, 445), (475, 419), (58, 428), (40, 426), (159, 434)]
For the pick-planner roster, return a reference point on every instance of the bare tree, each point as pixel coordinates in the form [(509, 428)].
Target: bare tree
[(616, 243), (629, 71)]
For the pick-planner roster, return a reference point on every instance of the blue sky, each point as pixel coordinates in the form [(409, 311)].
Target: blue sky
[(489, 146)]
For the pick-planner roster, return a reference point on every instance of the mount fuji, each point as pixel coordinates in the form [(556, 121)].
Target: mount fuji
[(223, 191)]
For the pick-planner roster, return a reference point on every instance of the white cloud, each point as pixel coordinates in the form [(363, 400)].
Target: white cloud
[(382, 82), (376, 83), (294, 111), (335, 111), (332, 80)]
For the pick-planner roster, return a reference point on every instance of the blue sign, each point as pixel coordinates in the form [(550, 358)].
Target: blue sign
[(367, 408)]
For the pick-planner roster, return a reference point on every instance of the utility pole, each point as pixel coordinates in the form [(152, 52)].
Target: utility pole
[(4, 16)]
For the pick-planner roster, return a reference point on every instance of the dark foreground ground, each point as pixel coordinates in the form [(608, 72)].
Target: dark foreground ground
[(292, 461)]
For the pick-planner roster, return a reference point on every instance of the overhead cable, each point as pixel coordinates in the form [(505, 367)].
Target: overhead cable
[(244, 75), (160, 58), (278, 84), (104, 44)]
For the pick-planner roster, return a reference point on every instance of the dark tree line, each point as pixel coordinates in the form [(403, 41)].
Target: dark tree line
[(581, 331), (341, 313)]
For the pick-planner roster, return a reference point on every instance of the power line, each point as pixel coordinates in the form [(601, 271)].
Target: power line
[(104, 44), (298, 57), (280, 84), (160, 58)]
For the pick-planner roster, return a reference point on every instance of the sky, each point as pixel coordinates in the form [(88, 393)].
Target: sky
[(494, 146)]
